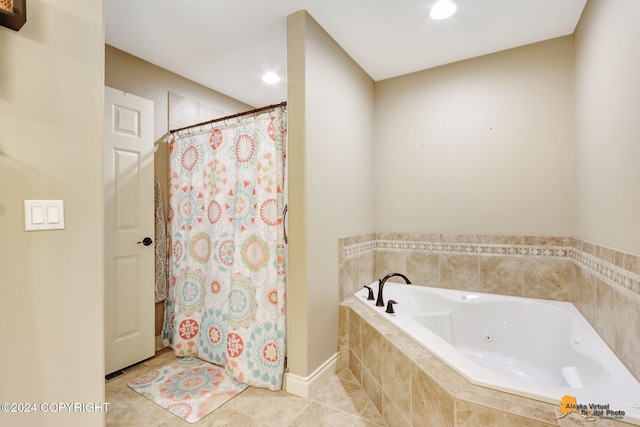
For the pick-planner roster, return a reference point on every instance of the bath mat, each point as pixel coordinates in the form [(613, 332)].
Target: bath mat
[(188, 387)]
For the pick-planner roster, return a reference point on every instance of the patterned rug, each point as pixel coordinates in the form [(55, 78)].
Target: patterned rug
[(188, 387)]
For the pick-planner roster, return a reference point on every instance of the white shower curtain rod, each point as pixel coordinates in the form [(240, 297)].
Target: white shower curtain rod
[(232, 116)]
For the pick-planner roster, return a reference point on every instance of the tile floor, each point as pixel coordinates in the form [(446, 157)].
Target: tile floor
[(340, 403)]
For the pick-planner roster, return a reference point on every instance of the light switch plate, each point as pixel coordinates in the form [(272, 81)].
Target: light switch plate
[(42, 215)]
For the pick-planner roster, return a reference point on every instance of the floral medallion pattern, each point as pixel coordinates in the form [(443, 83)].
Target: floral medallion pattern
[(241, 301), (226, 300), (189, 288), (189, 387), (192, 383), (190, 208), (265, 354), (215, 176), (200, 248), (255, 253)]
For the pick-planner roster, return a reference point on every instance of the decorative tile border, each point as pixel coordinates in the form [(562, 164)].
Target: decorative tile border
[(489, 249), (355, 250), (477, 248), (621, 279)]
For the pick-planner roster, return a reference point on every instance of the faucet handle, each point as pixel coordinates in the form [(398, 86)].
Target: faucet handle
[(370, 297), (390, 306)]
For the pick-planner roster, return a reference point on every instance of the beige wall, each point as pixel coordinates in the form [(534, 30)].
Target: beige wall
[(330, 182), (51, 285), (134, 75), (479, 146), (607, 200)]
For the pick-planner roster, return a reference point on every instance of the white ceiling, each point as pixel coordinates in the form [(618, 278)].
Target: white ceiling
[(228, 44)]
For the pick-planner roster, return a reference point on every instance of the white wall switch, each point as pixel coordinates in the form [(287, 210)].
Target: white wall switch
[(52, 215), (37, 215), (43, 215)]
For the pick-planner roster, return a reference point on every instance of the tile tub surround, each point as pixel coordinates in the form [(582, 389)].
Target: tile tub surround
[(536, 267), (603, 283), (606, 290), (356, 263), (387, 364)]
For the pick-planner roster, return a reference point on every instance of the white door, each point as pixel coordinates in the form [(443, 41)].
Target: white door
[(129, 219)]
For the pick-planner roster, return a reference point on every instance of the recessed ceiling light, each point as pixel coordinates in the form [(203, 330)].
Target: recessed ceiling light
[(443, 9), (271, 78)]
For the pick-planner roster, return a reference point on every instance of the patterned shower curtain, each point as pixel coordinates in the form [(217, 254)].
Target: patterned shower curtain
[(226, 301)]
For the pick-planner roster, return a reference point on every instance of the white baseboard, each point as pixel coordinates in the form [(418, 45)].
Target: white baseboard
[(307, 386)]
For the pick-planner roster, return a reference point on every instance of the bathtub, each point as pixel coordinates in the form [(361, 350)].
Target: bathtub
[(539, 349)]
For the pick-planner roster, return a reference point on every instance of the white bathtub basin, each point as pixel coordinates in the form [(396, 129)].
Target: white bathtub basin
[(538, 349)]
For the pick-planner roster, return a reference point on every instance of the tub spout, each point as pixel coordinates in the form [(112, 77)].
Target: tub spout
[(381, 282)]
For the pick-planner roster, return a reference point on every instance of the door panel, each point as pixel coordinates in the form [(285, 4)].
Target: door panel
[(127, 297), (126, 190), (129, 218)]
